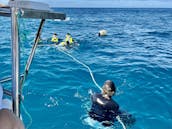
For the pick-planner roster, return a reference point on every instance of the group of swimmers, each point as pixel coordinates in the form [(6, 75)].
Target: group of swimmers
[(68, 41)]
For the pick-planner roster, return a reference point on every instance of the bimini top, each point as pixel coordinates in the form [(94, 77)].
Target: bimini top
[(30, 9)]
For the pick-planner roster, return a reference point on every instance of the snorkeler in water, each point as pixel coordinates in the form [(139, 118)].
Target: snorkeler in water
[(104, 109), (68, 41), (54, 38)]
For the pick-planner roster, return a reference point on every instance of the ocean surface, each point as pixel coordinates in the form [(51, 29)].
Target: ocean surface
[(136, 54)]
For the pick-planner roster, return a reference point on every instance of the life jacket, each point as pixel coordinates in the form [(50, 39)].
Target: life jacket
[(54, 39), (69, 39)]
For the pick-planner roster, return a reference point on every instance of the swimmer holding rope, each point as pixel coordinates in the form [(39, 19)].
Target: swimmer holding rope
[(105, 110), (68, 42)]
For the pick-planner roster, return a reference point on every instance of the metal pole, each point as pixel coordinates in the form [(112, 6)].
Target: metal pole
[(15, 61), (30, 58), (35, 45), (8, 79)]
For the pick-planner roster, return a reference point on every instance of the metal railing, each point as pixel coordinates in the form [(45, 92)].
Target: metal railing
[(30, 9)]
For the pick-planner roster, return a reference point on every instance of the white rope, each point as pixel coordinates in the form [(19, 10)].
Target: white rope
[(120, 121), (28, 114), (91, 73)]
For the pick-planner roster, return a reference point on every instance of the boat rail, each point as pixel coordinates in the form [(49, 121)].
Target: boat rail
[(28, 9)]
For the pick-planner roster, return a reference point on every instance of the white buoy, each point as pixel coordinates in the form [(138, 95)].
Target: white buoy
[(102, 33)]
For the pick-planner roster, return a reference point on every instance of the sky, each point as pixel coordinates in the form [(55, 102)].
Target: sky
[(106, 3)]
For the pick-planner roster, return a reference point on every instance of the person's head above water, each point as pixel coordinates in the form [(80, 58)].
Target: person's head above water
[(109, 88), (68, 35)]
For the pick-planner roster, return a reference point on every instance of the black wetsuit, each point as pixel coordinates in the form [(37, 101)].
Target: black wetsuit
[(107, 110)]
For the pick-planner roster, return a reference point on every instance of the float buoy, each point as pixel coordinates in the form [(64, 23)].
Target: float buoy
[(102, 33)]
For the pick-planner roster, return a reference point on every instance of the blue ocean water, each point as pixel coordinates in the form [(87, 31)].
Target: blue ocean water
[(136, 54)]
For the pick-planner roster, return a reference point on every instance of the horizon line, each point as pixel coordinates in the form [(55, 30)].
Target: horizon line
[(118, 7)]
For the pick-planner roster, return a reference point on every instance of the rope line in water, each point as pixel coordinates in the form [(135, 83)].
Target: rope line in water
[(91, 74), (120, 121), (28, 114)]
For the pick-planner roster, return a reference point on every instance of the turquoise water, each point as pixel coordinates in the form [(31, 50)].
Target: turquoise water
[(136, 54)]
